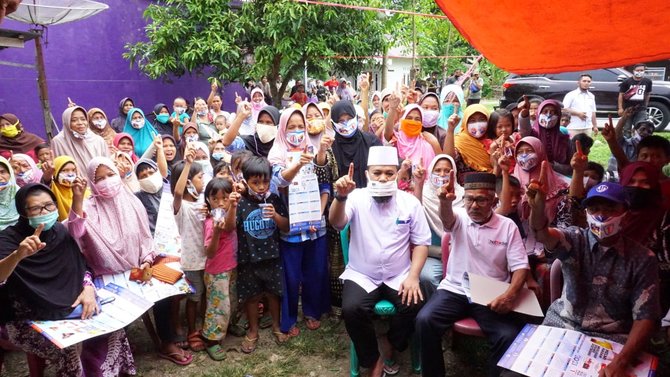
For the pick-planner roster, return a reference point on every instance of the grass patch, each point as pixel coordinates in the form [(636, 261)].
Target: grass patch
[(264, 363)]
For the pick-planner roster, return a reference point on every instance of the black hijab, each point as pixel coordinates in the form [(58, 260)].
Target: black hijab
[(177, 156), (119, 122), (162, 128), (46, 284), (253, 143), (352, 149)]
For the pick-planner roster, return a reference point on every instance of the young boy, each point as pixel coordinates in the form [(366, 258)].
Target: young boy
[(187, 184), (260, 215)]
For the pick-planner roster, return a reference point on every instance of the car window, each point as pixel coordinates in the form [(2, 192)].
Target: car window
[(565, 76), (602, 75)]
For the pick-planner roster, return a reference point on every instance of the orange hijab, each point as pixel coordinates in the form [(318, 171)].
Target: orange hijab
[(472, 151)]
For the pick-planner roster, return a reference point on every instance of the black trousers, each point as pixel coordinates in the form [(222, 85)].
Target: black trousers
[(445, 308), (472, 101), (357, 311)]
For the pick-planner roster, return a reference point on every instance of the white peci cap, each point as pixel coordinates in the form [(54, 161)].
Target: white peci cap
[(383, 156)]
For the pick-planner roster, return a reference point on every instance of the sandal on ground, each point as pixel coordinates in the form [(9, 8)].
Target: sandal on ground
[(249, 344), (179, 358), (282, 338), (265, 322), (195, 342), (312, 324), (216, 352), (180, 341), (391, 368)]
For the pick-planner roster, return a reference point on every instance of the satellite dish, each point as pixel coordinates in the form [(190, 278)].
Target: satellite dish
[(54, 12)]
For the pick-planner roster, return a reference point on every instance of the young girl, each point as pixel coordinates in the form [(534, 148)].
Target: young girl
[(220, 246), (186, 185), (65, 173)]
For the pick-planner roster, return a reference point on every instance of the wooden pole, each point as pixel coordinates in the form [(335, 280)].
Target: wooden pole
[(42, 87)]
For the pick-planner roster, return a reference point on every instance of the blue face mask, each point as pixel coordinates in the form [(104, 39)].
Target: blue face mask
[(217, 156), (163, 118), (295, 138), (447, 110), (48, 220)]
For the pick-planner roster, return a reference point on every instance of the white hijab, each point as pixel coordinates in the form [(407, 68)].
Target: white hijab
[(431, 203)]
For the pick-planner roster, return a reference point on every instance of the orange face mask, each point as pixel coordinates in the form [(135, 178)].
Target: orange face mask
[(411, 128)]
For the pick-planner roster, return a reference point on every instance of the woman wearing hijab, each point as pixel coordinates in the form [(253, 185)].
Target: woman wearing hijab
[(202, 158), (452, 101), (261, 141), (123, 142), (411, 143), (125, 165), (546, 128), (100, 126), (161, 122), (76, 140), (304, 253), (189, 134), (46, 277), (15, 139), (439, 172), (376, 102), (65, 173), (430, 104), (351, 144), (8, 188), (172, 154), (140, 130), (25, 169), (467, 147), (119, 122)]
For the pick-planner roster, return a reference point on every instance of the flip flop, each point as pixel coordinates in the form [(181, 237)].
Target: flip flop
[(248, 344), (216, 352), (391, 368), (282, 338), (312, 324), (174, 357), (195, 342)]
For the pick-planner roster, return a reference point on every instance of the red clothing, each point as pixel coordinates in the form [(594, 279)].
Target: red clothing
[(331, 84), (300, 98), (225, 258)]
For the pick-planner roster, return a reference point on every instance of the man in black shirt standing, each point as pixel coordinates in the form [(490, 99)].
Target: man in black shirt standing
[(634, 92)]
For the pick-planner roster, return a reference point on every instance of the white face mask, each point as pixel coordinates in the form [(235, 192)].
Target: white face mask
[(151, 184), (430, 118), (547, 121), (137, 124), (638, 74), (266, 133), (66, 179), (180, 110), (477, 129), (78, 135), (527, 161), (100, 123), (602, 227), (381, 191)]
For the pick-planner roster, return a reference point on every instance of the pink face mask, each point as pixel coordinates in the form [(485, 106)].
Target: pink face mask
[(109, 187)]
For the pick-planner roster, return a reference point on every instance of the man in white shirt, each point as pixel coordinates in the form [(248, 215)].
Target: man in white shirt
[(483, 243), (384, 223), (581, 105)]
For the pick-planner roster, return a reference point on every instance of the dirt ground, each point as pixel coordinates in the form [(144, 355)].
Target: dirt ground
[(320, 353)]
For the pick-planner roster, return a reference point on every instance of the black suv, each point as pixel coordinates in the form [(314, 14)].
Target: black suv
[(605, 87)]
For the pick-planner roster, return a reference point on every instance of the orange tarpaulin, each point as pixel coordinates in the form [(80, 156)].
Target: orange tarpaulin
[(563, 35)]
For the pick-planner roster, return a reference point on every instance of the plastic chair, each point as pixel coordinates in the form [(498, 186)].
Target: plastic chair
[(383, 308), (466, 326)]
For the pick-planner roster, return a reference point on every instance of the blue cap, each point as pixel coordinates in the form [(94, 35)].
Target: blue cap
[(608, 190)]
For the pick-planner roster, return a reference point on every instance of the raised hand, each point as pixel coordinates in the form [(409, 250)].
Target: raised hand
[(189, 156), (419, 173), (447, 192), (394, 101), (608, 131), (364, 82), (326, 142), (70, 103), (243, 109), (503, 162), (234, 199), (453, 121), (579, 160), (31, 244), (306, 157), (79, 187), (537, 189), (214, 86), (345, 185), (524, 106), (238, 99)]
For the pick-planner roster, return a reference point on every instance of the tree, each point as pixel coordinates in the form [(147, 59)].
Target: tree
[(261, 37)]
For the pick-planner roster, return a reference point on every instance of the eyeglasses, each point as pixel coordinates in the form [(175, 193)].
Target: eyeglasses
[(480, 200), (36, 210)]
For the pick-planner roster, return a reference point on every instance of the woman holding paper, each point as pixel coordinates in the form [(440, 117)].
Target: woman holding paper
[(304, 250), (44, 277)]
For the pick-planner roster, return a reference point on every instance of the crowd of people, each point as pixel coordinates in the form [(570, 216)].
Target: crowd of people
[(402, 175)]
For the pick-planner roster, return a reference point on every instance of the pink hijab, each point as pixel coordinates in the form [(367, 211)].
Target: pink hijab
[(414, 148), (279, 151), (82, 150), (555, 183), (117, 236), (37, 172)]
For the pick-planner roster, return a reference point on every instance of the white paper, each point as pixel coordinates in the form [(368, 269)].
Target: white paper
[(553, 352), (304, 199), (153, 290), (125, 308), (483, 290), (166, 237)]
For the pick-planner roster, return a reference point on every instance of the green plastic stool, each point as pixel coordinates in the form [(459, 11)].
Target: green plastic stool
[(383, 308)]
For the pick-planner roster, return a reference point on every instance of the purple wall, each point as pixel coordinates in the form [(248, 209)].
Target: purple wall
[(84, 61)]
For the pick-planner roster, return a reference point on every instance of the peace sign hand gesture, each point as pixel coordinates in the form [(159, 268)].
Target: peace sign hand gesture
[(536, 191), (447, 192)]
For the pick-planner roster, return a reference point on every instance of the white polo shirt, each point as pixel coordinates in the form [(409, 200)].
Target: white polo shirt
[(380, 240), (580, 100), (494, 249)]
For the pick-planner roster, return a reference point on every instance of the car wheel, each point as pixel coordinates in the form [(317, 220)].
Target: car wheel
[(659, 114)]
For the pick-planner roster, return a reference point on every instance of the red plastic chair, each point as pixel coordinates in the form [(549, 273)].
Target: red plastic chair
[(466, 326)]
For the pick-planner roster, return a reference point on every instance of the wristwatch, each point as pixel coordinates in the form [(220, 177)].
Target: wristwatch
[(341, 198)]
